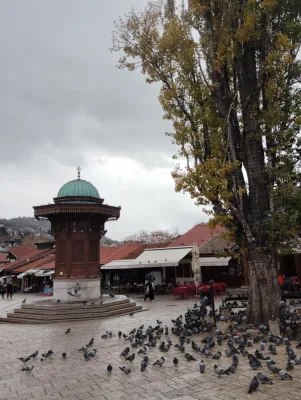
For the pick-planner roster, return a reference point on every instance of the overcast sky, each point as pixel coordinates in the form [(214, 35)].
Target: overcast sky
[(63, 103)]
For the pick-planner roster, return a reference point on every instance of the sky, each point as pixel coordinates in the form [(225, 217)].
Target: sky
[(63, 103)]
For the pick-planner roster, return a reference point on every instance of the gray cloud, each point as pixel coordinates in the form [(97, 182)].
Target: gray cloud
[(63, 102)]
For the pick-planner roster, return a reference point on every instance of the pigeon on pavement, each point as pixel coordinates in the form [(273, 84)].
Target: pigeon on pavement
[(126, 370), (143, 365), (125, 352), (220, 371), (24, 359), (175, 361), (284, 375), (109, 368), (202, 367), (28, 369), (217, 356), (67, 331), (159, 362), (253, 385), (264, 379), (130, 358), (189, 357)]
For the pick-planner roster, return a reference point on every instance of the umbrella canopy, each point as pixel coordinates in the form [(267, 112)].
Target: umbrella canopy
[(195, 262)]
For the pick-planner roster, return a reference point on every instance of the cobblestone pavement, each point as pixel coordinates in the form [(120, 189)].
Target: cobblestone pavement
[(77, 379)]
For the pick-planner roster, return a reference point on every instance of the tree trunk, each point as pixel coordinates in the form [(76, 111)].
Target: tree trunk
[(264, 291)]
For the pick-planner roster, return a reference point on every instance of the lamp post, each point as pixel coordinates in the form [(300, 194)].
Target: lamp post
[(212, 300)]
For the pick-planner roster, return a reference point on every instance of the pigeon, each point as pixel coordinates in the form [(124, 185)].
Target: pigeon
[(235, 360), (232, 368), (189, 357), (272, 349), (48, 354), (126, 370), (58, 301), (119, 334), (24, 359), (159, 322), (90, 343), (264, 379), (143, 350), (24, 301), (130, 358), (92, 353), (220, 371), (273, 368), (105, 335), (131, 315), (143, 365), (67, 331), (202, 367), (28, 369), (33, 355), (64, 355), (260, 356), (284, 375), (253, 385), (125, 352), (159, 362), (109, 368), (87, 357), (84, 348), (217, 356), (175, 361), (253, 364)]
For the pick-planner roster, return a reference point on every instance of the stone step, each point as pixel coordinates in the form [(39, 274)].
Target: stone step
[(40, 310), (75, 314), (55, 306), (27, 319)]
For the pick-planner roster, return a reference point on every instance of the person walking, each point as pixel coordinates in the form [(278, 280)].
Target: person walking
[(10, 290), (2, 290), (149, 290)]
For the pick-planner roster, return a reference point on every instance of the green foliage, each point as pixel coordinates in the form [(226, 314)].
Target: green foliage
[(230, 85)]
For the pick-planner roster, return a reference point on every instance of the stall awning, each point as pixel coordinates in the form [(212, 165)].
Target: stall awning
[(44, 272), (152, 258), (214, 261), (28, 272)]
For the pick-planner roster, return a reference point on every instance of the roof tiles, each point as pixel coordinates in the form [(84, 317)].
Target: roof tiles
[(108, 254), (22, 250), (199, 234)]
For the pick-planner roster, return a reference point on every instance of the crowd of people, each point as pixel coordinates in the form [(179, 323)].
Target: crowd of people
[(6, 288)]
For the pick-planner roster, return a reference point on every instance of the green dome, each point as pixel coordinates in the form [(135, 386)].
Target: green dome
[(78, 188)]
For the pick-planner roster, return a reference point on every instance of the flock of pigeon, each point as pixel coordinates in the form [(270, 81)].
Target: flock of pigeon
[(239, 343)]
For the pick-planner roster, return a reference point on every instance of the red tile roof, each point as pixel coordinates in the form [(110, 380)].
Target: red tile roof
[(34, 256), (3, 258), (199, 234), (42, 263), (22, 250), (108, 254)]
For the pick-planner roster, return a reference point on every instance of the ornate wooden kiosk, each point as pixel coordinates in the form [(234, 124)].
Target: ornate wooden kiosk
[(77, 219)]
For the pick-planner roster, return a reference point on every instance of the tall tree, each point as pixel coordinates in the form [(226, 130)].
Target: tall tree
[(230, 84), (159, 236)]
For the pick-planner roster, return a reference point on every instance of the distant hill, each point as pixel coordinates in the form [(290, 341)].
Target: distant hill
[(30, 225), (26, 222)]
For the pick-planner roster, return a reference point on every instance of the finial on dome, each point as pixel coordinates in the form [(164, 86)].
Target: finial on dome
[(78, 172)]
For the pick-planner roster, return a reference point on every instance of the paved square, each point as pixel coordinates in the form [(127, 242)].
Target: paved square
[(75, 378)]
